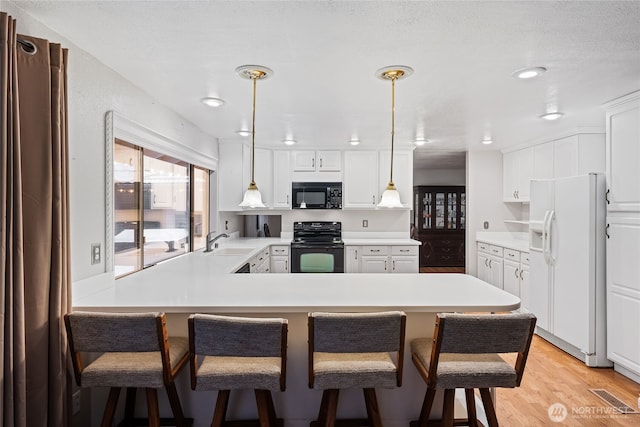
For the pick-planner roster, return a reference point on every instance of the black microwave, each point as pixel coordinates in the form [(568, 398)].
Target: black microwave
[(316, 195)]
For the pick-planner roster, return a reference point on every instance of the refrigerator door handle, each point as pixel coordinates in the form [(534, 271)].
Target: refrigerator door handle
[(547, 242)]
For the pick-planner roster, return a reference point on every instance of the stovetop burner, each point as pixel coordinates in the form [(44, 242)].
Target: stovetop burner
[(317, 232)]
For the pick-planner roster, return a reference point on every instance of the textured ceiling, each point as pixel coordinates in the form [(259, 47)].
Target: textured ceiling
[(325, 54)]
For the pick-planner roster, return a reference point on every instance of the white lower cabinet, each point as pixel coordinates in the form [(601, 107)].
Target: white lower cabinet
[(511, 277), (490, 264), (623, 291), (260, 263), (381, 259), (279, 259)]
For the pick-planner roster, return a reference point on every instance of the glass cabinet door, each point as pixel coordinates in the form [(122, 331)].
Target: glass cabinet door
[(440, 208), (426, 210), (452, 211), (463, 210)]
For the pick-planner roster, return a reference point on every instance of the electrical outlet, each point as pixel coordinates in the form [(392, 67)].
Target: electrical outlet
[(486, 225), (76, 402), (365, 223), (95, 253)]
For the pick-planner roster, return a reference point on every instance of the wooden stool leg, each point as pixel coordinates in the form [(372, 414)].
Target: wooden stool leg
[(266, 413), (373, 412), (152, 407), (489, 409), (220, 412), (328, 409), (110, 409), (471, 407), (427, 404), (176, 408), (447, 411), (129, 406)]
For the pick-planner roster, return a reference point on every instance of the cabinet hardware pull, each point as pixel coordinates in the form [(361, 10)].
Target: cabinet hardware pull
[(404, 250), (516, 273), (385, 265), (606, 196), (486, 261), (287, 199), (522, 274), (373, 198), (606, 231), (313, 163), (514, 194), (489, 263), (356, 254), (394, 265), (518, 194), (375, 250), (286, 265), (320, 161)]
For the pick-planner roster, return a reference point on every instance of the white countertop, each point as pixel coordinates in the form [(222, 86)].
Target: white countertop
[(200, 282), (515, 241), (381, 241)]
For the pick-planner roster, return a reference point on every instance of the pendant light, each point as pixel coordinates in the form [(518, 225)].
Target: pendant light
[(391, 196), (252, 197)]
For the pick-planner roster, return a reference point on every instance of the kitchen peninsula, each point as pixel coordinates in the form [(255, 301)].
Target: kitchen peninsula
[(200, 282)]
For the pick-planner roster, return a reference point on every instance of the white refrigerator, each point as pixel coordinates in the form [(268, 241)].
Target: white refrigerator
[(567, 264)]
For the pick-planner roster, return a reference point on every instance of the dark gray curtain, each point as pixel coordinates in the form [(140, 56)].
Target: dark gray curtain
[(34, 252)]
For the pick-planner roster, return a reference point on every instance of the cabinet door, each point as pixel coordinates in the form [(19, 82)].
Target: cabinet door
[(511, 277), (304, 161), (360, 179), (509, 176), (591, 155), (623, 155), (623, 292), (375, 264), (281, 179), (263, 174), (402, 174), (329, 161), (233, 177), (352, 259), (543, 161), (525, 172), (483, 267), (495, 272), (404, 264), (524, 288), (279, 264), (566, 156)]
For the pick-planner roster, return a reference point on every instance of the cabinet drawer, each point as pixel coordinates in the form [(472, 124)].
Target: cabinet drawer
[(404, 250), (375, 250), (483, 247), (524, 258), (496, 250), (511, 254), (279, 250)]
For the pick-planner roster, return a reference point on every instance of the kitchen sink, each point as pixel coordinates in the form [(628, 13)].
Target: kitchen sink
[(232, 251)]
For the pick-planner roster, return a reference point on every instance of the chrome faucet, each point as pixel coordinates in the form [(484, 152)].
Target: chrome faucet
[(211, 240)]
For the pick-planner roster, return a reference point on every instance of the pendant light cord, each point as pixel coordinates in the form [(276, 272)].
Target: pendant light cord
[(253, 135), (393, 122)]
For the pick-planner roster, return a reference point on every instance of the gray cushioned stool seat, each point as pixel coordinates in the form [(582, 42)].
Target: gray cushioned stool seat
[(354, 370), (234, 373)]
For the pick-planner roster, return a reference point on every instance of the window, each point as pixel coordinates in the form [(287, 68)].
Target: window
[(161, 205)]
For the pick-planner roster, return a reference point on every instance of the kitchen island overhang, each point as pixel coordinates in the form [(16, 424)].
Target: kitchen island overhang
[(189, 284)]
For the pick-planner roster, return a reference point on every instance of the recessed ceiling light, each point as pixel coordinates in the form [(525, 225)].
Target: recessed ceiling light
[(354, 141), (552, 116), (243, 132), (487, 141), (529, 73), (420, 141), (289, 141), (212, 102)]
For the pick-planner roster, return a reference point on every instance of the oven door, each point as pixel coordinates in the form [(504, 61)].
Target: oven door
[(322, 258)]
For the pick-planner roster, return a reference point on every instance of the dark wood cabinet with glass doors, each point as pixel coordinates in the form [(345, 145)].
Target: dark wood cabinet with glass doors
[(439, 215)]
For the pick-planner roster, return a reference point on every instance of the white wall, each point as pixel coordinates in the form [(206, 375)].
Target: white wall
[(484, 200), (439, 177), (94, 89)]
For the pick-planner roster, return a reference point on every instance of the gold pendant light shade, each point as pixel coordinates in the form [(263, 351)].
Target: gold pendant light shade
[(252, 197), (391, 197)]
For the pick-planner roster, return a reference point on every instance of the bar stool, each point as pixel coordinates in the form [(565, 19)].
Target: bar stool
[(464, 354), (238, 353), (136, 353), (352, 350)]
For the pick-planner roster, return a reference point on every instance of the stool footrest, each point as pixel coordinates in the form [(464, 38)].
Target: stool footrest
[(139, 422), (350, 422), (438, 423)]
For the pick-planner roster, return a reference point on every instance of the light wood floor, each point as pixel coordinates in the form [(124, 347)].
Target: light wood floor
[(552, 376)]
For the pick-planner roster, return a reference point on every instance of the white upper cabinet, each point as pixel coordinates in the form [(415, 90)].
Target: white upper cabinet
[(235, 174), (360, 180), (402, 174), (578, 155), (543, 161), (623, 153), (317, 161), (517, 170), (282, 179)]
